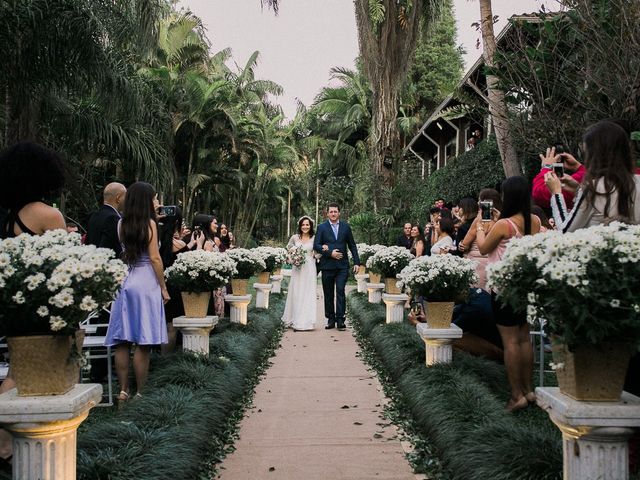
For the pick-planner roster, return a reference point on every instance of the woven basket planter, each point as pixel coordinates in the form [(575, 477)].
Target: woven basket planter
[(196, 304), (391, 285), (263, 277), (240, 286), (374, 277), (43, 364), (439, 314), (362, 269), (590, 373)]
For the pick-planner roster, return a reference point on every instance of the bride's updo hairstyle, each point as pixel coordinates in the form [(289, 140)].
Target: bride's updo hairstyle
[(302, 219)]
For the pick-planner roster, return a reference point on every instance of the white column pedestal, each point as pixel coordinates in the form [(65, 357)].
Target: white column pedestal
[(44, 430), (276, 281), (362, 282), (195, 332), (262, 294), (375, 292), (238, 310), (594, 434), (395, 306), (438, 342)]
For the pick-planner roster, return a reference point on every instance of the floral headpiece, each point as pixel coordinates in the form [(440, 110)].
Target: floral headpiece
[(308, 218)]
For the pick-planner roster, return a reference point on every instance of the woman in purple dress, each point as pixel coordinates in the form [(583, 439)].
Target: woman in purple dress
[(137, 314)]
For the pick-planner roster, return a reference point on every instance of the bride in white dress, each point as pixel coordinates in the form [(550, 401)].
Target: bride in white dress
[(300, 309)]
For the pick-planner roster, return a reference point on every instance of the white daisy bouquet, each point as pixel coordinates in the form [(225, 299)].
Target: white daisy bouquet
[(439, 278), (389, 261), (297, 256), (586, 284), (274, 257), (366, 251), (248, 262), (200, 271), (50, 283)]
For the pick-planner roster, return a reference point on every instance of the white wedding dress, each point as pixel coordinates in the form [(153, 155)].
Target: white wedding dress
[(300, 310)]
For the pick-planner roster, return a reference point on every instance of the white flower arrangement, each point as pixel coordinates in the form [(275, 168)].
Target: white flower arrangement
[(50, 283), (439, 278), (200, 271), (389, 261), (274, 257), (248, 262), (584, 283), (366, 251)]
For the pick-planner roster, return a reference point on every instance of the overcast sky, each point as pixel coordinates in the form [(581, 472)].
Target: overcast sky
[(308, 37)]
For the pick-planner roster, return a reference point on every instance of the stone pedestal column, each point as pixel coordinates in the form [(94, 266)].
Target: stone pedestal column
[(238, 310), (375, 292), (362, 282), (195, 332), (44, 431), (395, 306), (262, 294), (276, 281), (438, 342), (594, 434)]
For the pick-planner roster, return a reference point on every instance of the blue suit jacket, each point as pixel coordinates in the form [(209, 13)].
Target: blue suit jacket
[(324, 236)]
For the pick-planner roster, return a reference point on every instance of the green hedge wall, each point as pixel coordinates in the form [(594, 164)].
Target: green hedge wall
[(459, 408)]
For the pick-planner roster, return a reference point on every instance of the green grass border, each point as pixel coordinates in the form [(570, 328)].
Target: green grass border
[(189, 416), (457, 409)]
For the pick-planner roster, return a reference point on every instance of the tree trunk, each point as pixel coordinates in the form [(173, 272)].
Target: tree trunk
[(496, 97), (386, 50)]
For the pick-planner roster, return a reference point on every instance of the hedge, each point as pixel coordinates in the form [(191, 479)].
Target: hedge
[(190, 410), (459, 408)]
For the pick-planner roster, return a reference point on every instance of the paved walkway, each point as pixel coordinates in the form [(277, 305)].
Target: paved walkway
[(316, 415)]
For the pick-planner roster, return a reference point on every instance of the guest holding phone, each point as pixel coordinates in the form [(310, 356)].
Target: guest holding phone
[(610, 189), (557, 155), (515, 221)]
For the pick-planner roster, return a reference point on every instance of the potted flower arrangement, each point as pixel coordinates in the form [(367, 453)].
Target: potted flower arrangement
[(48, 285), (388, 262), (196, 274), (248, 263), (274, 258), (365, 252), (585, 285), (441, 280)]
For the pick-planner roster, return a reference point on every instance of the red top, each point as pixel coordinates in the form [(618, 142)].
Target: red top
[(541, 194)]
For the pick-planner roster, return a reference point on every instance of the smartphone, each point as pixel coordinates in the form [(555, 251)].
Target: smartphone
[(560, 149), (416, 308), (558, 169), (486, 207), (167, 210)]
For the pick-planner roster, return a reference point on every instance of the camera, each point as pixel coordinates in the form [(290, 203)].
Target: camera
[(560, 149), (416, 308), (486, 207), (558, 169), (167, 211)]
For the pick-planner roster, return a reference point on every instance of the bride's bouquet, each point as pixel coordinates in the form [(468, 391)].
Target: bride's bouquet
[(297, 256)]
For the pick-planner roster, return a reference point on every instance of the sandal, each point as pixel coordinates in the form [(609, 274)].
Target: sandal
[(122, 398), (137, 396)]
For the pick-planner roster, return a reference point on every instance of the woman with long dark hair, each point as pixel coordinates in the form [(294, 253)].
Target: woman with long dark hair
[(300, 309), (137, 314), (610, 190), (515, 221), (417, 241)]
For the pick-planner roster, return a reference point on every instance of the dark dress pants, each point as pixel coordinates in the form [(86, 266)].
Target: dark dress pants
[(334, 279)]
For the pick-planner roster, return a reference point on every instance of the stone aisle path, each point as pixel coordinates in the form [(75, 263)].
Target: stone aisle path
[(316, 415)]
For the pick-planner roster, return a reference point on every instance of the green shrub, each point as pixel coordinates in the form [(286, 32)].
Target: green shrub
[(189, 413), (458, 408)]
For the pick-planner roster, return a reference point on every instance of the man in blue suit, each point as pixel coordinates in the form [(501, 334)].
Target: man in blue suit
[(331, 241)]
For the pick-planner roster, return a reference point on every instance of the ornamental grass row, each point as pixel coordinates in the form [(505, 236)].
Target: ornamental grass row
[(190, 411), (458, 408)]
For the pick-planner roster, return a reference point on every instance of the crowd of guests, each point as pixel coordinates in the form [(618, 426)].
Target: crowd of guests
[(567, 194), (147, 236)]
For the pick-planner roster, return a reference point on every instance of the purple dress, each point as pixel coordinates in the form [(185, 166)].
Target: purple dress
[(137, 314)]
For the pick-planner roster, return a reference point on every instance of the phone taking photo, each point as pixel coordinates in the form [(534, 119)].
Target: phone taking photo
[(167, 211), (486, 207), (558, 169)]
